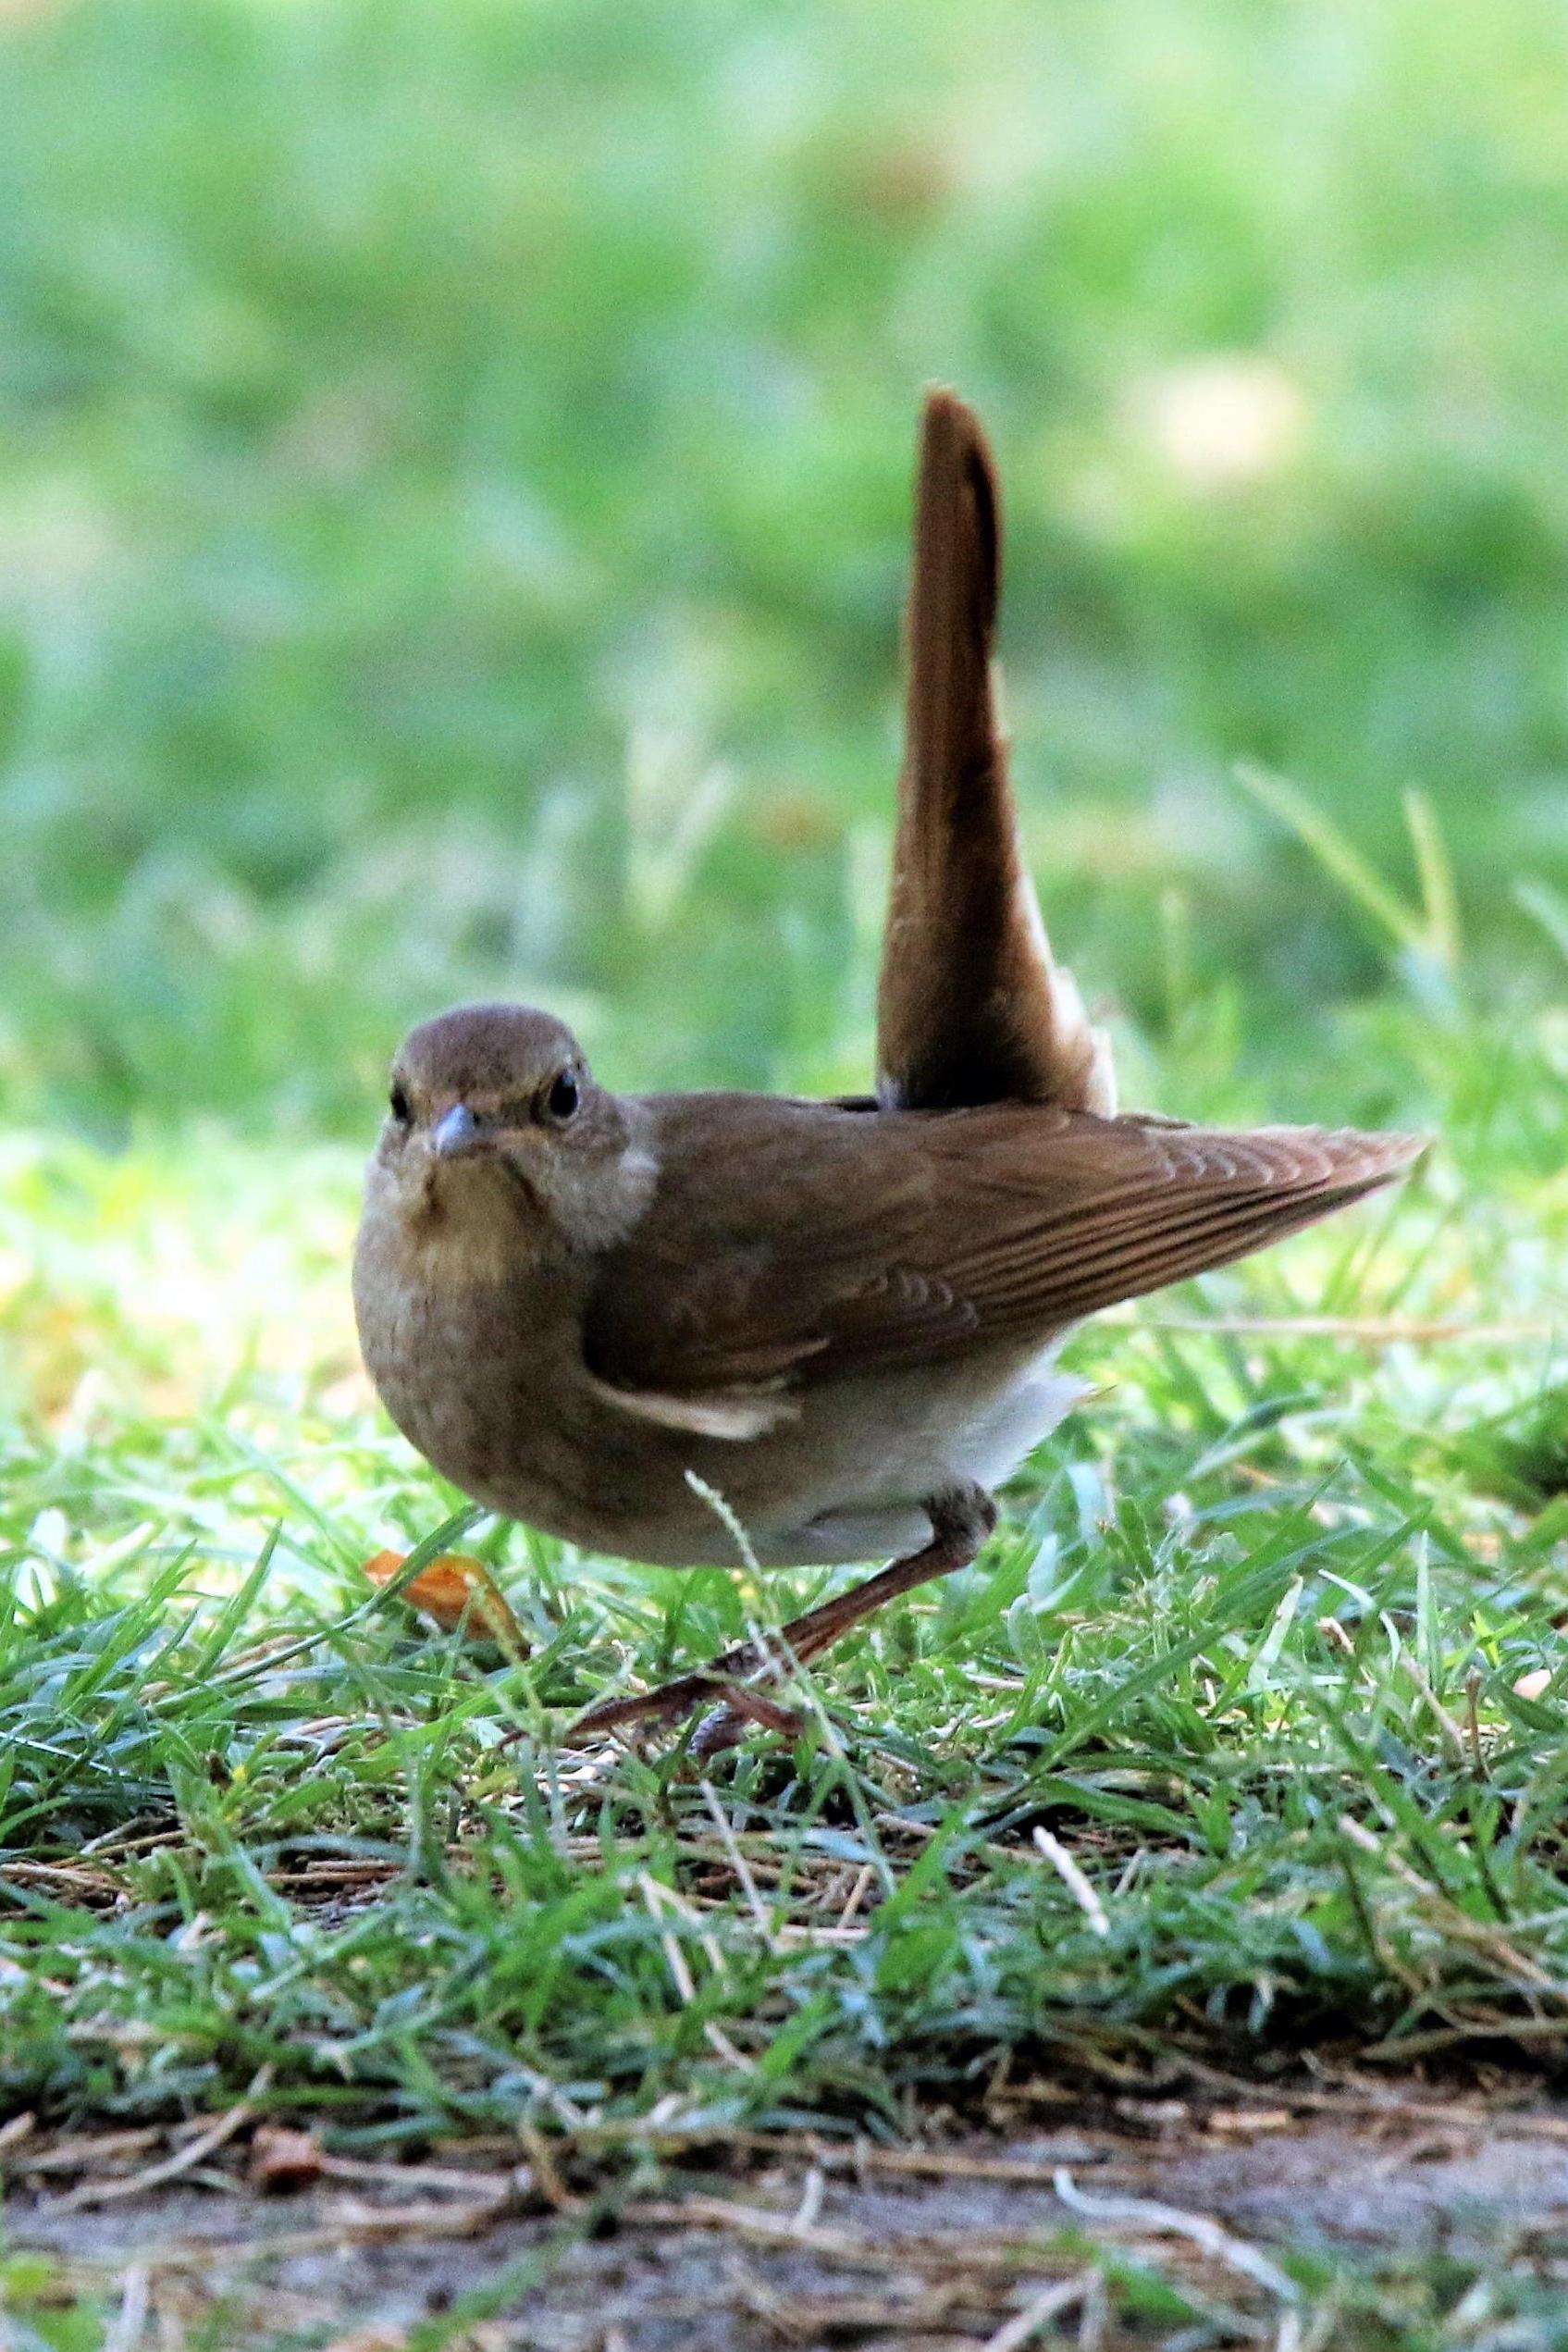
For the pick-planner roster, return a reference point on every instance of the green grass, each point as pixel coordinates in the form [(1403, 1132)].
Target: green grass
[(454, 497), (1245, 1645), (1247, 1640)]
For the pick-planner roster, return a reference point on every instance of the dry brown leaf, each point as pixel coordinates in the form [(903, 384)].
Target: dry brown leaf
[(451, 1588), (282, 2160)]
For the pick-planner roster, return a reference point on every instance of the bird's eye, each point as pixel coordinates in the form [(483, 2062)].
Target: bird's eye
[(397, 1104), (561, 1097)]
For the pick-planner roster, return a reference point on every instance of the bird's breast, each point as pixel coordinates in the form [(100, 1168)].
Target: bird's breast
[(470, 1349)]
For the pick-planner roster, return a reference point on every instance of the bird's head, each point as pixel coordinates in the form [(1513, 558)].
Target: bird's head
[(494, 1118)]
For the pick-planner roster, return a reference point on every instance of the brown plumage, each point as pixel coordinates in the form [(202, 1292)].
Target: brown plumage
[(842, 1316), (971, 1007), (852, 1242)]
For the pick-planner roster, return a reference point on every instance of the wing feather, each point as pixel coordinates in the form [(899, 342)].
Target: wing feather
[(842, 1242)]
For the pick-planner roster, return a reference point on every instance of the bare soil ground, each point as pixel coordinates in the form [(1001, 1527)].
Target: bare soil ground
[(1114, 2227)]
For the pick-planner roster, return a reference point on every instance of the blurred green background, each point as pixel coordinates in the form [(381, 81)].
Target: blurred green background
[(454, 481)]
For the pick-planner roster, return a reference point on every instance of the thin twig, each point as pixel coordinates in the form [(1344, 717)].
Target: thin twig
[(185, 2159), (1380, 1329), (1046, 2307), (124, 2331), (1197, 2228), (1075, 1882), (1455, 1921), (738, 1862)]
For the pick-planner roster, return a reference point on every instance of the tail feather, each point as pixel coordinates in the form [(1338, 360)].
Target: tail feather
[(973, 1008)]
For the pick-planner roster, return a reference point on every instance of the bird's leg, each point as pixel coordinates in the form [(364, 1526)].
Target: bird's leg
[(961, 1518)]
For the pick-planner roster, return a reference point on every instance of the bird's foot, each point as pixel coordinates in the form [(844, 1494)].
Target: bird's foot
[(688, 1692), (727, 1726), (961, 1518)]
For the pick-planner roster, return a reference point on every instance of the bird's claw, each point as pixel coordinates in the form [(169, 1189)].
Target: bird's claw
[(726, 1726), (740, 1705)]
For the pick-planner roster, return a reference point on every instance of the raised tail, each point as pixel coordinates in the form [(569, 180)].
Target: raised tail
[(972, 1007)]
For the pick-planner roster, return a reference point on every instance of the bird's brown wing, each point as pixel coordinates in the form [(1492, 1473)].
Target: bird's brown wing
[(971, 1007), (843, 1242)]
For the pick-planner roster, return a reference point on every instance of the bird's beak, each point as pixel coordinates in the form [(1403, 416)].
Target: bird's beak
[(456, 1133)]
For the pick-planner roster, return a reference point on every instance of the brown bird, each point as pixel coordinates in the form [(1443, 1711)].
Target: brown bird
[(584, 1307)]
